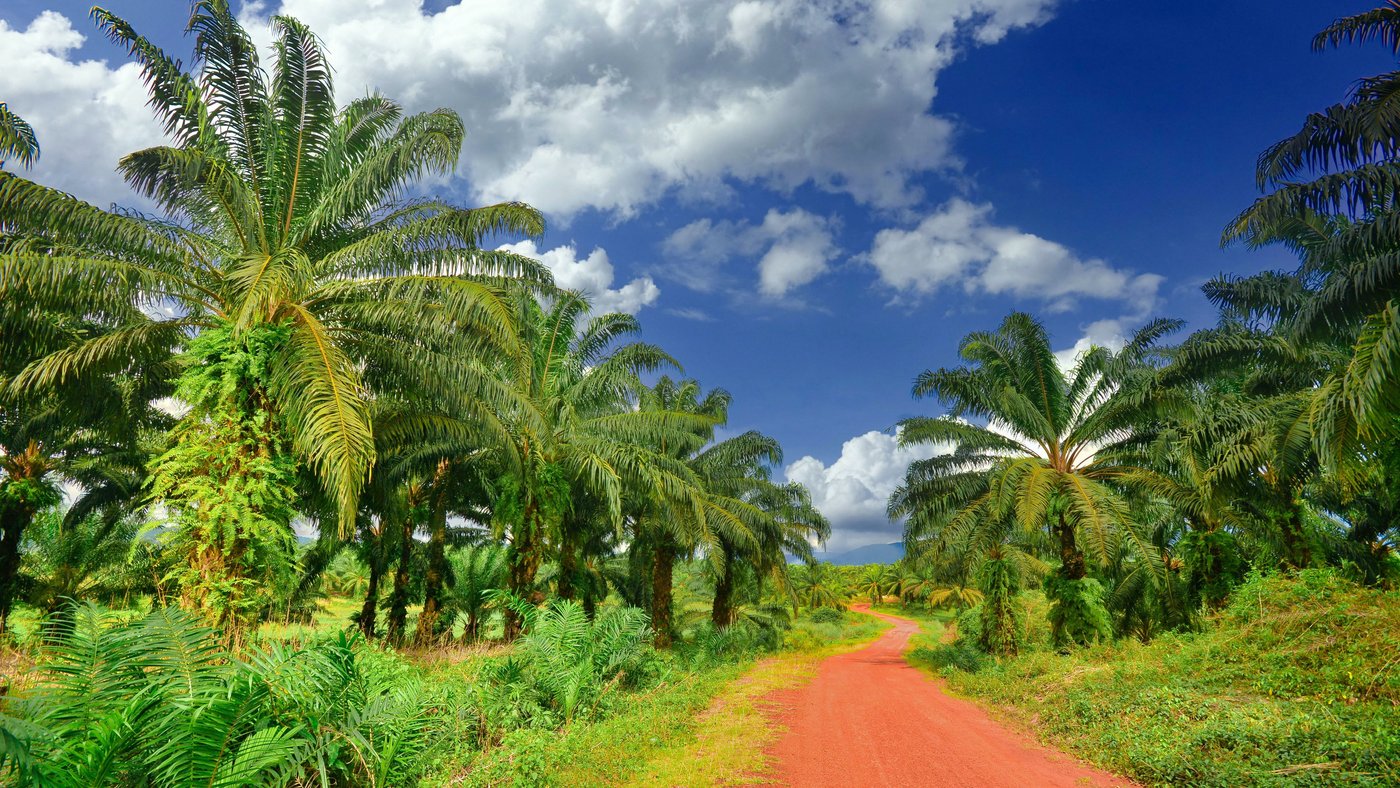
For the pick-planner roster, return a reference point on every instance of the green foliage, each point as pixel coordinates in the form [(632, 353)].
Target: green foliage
[(476, 572), (1078, 615), (17, 139), (1215, 565), (564, 665), (32, 494), (1294, 684), (158, 702), (999, 617), (228, 481), (87, 558), (827, 615)]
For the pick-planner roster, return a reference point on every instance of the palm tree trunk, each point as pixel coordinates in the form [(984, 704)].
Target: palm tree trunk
[(435, 577), (722, 611), (568, 567), (524, 564), (1297, 553), (398, 602), (473, 629), (369, 611), (663, 564), (1071, 557), (14, 518)]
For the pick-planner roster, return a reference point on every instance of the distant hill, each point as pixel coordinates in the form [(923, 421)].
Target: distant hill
[(869, 554)]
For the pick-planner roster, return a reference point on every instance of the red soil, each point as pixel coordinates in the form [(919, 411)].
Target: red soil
[(869, 719)]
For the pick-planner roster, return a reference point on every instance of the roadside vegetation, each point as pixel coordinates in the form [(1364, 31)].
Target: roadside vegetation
[(304, 481), (1179, 561)]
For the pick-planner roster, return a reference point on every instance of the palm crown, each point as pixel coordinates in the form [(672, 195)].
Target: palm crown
[(280, 210)]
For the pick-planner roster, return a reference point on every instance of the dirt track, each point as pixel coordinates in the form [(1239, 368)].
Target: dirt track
[(869, 719)]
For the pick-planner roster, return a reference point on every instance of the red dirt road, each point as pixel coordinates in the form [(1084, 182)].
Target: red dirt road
[(869, 719)]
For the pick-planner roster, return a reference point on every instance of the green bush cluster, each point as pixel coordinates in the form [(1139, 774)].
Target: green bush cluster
[(1294, 683), (159, 702), (563, 667)]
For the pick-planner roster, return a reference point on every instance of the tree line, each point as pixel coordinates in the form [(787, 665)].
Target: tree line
[(299, 339)]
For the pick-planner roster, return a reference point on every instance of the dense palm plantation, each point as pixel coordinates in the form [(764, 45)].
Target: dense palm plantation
[(304, 481)]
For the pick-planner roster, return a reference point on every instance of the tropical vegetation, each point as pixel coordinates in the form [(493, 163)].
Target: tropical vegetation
[(304, 479)]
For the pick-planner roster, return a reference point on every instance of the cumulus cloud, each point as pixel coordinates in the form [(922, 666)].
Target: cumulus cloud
[(853, 491), (593, 276), (959, 246), (1110, 333), (578, 104), (86, 114), (793, 248)]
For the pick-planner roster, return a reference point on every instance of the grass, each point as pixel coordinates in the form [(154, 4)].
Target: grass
[(727, 743), (697, 728), (1298, 683)]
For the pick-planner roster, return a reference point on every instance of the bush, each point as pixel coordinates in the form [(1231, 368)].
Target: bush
[(564, 665), (1078, 615), (159, 702), (828, 615), (1294, 683)]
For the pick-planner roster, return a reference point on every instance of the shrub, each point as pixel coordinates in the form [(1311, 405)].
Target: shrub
[(159, 702), (564, 665), (1077, 612), (827, 615)]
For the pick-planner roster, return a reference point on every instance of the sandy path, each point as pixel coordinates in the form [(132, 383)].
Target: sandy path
[(869, 719)]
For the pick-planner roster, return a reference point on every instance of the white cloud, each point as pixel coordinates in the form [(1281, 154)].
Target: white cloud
[(608, 104), (593, 276), (795, 247), (958, 245), (689, 313), (854, 490), (85, 114), (1110, 333)]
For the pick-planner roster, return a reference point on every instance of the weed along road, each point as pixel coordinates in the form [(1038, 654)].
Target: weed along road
[(869, 719)]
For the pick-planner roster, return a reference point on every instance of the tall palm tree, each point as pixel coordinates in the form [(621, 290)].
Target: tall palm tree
[(1039, 454), (766, 522), (1331, 195), (667, 534), (287, 247), (573, 430)]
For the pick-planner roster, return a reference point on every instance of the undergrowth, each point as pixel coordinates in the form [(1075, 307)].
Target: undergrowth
[(1297, 682)]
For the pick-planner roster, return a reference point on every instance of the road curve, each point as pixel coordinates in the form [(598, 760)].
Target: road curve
[(868, 720)]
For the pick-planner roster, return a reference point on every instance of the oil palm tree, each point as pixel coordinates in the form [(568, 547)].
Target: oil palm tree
[(765, 523), (1038, 456), (286, 253), (1330, 194), (477, 571), (572, 430), (816, 585)]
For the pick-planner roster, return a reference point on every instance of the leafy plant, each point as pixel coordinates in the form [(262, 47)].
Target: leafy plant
[(159, 702), (564, 664)]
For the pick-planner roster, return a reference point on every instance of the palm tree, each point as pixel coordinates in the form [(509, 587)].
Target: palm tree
[(1330, 195), (816, 585), (1039, 457), (476, 572), (722, 470), (289, 256), (874, 583), (763, 523), (572, 431), (17, 139)]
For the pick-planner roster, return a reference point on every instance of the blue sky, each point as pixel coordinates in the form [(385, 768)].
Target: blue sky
[(806, 203)]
